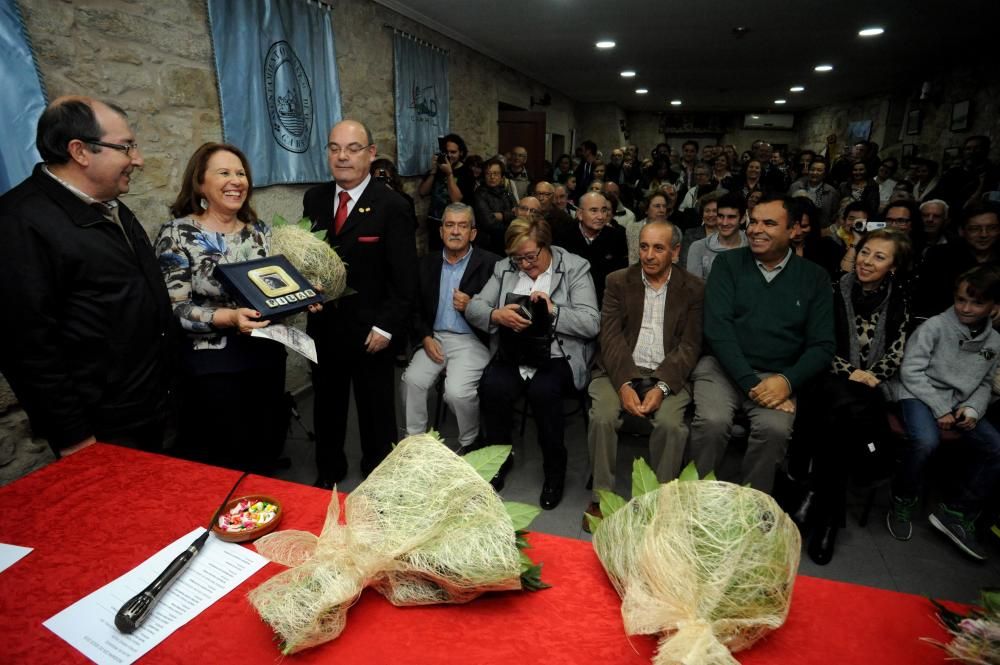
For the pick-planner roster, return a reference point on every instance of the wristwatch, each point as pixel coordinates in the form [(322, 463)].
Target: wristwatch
[(662, 385)]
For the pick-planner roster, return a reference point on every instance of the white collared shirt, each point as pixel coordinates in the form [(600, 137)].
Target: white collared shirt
[(648, 351), (354, 194), (770, 273)]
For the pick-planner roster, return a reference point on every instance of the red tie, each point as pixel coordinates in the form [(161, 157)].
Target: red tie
[(338, 221)]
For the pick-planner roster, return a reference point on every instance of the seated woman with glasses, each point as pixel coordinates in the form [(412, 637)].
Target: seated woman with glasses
[(540, 309)]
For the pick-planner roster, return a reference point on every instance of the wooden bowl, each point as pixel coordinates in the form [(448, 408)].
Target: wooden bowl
[(249, 534)]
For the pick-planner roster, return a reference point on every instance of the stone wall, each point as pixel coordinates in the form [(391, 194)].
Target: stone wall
[(154, 58), (889, 112)]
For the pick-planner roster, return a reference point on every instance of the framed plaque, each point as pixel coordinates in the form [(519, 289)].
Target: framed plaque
[(271, 285)]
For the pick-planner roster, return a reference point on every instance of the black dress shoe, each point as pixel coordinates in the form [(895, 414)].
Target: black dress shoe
[(821, 545), (551, 496), (324, 483), (498, 480)]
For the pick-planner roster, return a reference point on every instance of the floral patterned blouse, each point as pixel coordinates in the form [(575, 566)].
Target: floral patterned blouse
[(188, 253)]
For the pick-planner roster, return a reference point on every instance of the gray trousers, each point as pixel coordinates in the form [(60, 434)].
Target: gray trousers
[(716, 400), (666, 442), (465, 357)]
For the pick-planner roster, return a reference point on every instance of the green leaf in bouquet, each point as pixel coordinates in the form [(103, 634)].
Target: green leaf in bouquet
[(991, 600), (521, 514), (321, 234), (609, 502), (531, 579), (593, 521), (305, 224), (710, 476), (278, 220), (487, 461), (643, 478), (521, 540), (690, 472)]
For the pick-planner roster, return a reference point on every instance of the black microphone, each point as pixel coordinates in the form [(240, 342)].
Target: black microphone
[(134, 612)]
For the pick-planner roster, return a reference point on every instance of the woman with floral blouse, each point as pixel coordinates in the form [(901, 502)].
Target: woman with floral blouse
[(231, 389)]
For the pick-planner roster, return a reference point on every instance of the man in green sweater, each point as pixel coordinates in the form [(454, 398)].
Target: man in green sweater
[(768, 329)]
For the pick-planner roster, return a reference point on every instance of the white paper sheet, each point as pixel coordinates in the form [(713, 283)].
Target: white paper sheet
[(11, 554), (89, 624), (293, 338)]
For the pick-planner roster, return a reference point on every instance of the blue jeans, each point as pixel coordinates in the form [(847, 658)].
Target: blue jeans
[(978, 466)]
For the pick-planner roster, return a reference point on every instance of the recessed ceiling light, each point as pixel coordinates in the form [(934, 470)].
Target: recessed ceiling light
[(606, 43), (871, 32), (628, 73), (641, 91), (755, 117), (796, 88), (780, 101), (823, 68), (675, 102)]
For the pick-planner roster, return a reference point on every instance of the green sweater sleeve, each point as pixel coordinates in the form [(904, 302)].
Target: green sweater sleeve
[(820, 343)]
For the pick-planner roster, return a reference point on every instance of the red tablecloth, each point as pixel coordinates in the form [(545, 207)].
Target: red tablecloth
[(93, 516)]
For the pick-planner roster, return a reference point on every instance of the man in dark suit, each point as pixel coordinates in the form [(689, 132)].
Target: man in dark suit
[(447, 280), (595, 239), (650, 340), (371, 228)]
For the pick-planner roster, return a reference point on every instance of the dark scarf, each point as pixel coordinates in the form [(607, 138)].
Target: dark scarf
[(866, 305)]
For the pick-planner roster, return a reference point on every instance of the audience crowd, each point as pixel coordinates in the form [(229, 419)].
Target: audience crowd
[(835, 310)]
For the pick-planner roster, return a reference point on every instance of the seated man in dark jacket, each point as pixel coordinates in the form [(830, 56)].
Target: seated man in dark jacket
[(447, 280), (593, 238)]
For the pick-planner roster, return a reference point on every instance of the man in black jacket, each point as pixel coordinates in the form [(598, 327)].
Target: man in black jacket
[(371, 227), (447, 281), (86, 332), (593, 238)]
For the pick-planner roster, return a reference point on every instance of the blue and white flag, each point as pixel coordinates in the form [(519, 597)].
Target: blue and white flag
[(22, 101), (421, 103), (278, 87)]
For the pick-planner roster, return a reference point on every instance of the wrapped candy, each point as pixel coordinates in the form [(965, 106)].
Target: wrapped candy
[(708, 565), (424, 527)]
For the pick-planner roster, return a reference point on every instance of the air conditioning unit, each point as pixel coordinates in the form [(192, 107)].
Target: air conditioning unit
[(768, 121)]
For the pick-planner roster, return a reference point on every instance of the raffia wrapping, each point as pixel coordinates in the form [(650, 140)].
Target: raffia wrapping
[(423, 528), (708, 564), (314, 258)]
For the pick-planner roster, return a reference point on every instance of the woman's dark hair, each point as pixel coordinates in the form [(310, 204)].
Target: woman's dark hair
[(981, 282), (188, 199), (71, 119), (474, 161)]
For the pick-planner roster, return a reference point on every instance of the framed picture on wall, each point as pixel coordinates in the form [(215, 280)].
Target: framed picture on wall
[(913, 122), (909, 152), (952, 157), (960, 115)]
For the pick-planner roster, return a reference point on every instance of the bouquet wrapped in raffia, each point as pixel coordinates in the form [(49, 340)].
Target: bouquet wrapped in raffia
[(424, 527), (309, 252), (708, 565)]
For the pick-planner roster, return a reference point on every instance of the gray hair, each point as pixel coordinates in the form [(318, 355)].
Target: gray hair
[(461, 209), (675, 236), (944, 206)]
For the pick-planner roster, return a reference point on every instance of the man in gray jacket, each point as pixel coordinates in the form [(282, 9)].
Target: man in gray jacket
[(540, 309)]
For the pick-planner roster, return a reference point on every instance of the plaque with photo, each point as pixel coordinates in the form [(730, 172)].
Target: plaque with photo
[(271, 285)]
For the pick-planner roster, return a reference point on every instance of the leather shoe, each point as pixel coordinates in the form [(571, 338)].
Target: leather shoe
[(821, 544), (593, 509), (498, 480), (551, 496)]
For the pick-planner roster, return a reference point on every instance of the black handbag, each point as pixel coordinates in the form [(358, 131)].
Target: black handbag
[(532, 346)]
